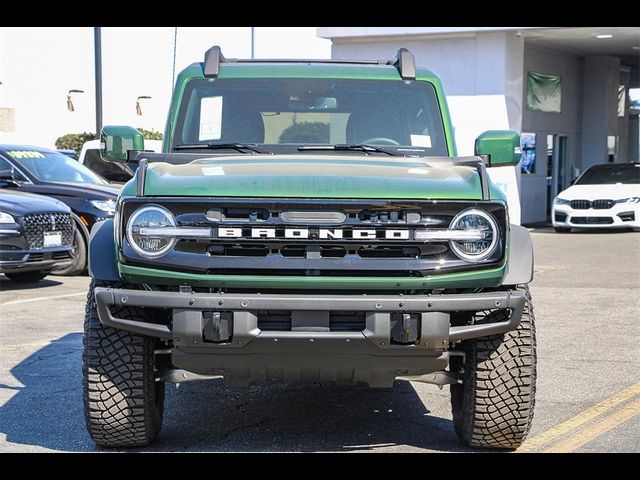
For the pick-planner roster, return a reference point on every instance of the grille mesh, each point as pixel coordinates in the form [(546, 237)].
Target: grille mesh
[(37, 224), (602, 204), (580, 204)]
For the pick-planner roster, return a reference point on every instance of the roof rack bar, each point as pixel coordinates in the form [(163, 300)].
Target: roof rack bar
[(404, 61), (212, 60), (306, 60), (406, 64)]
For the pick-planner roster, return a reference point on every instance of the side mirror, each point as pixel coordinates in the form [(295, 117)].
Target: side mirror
[(502, 147), (117, 141), (6, 176)]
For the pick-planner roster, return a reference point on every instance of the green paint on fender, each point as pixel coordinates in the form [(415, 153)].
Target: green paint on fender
[(479, 278)]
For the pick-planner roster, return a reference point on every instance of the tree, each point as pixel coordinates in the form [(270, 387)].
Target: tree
[(150, 134), (74, 141)]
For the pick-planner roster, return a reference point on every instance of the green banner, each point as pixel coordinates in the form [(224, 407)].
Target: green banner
[(544, 92)]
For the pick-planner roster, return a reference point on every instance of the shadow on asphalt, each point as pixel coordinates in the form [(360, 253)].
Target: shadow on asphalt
[(8, 285), (206, 416)]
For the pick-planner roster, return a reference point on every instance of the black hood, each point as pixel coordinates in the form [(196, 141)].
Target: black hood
[(83, 190), (20, 203)]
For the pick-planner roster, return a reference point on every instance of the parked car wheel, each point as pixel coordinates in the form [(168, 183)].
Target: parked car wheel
[(79, 264)]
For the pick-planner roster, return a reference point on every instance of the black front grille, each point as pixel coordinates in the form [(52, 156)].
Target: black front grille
[(329, 246), (37, 224), (591, 220), (40, 256), (602, 204), (580, 204), (280, 321)]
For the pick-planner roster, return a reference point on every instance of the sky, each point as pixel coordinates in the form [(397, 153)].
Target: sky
[(38, 66)]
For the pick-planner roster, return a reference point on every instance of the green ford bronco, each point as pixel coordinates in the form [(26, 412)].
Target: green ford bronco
[(310, 220)]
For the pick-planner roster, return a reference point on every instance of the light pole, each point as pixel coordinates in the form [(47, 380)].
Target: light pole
[(138, 107), (253, 42), (97, 43), (70, 106)]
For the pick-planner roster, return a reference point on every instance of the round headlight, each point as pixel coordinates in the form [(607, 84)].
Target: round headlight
[(480, 223), (152, 216)]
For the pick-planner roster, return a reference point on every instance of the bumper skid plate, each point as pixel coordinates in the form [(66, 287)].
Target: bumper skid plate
[(252, 354)]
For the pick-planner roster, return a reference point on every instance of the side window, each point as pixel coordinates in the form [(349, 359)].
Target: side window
[(5, 165)]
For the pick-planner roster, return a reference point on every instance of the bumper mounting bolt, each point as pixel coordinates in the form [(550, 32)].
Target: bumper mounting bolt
[(124, 299), (192, 301), (429, 304), (497, 303), (401, 304), (220, 302), (378, 305), (244, 303)]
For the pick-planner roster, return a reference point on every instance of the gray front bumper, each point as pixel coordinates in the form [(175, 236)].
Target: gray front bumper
[(188, 304), (366, 356)]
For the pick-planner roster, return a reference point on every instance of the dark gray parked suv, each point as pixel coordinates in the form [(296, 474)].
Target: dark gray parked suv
[(36, 235)]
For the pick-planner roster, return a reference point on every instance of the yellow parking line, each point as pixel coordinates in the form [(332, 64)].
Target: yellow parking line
[(603, 426), (580, 419)]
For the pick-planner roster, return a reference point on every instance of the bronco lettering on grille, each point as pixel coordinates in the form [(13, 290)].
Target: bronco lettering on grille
[(323, 233)]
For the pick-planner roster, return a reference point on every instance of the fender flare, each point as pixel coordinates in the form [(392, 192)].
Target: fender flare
[(520, 263), (102, 248), (81, 225)]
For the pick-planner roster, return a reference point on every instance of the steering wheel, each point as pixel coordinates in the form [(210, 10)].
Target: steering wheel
[(382, 141)]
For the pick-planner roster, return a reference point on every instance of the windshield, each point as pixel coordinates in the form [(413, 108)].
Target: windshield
[(55, 167), (610, 174), (282, 114)]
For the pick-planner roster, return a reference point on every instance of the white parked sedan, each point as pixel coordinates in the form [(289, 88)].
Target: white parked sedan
[(606, 195)]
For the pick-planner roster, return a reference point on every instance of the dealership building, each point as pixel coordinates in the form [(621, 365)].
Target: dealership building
[(565, 89)]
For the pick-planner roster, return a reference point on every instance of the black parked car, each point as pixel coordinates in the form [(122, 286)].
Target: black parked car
[(36, 235), (48, 172)]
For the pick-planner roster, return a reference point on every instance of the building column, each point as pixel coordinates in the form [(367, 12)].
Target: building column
[(599, 107)]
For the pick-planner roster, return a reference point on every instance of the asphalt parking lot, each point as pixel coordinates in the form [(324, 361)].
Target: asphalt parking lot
[(586, 295)]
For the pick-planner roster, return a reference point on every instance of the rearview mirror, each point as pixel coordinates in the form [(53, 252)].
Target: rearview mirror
[(502, 147), (116, 141)]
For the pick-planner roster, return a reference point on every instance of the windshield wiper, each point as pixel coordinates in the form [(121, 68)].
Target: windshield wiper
[(240, 147), (345, 148)]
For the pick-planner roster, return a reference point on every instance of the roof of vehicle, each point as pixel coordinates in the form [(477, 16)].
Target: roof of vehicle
[(400, 67), (307, 69)]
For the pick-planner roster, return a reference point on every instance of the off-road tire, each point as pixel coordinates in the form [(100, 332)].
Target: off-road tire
[(562, 229), (123, 404), (493, 408), (24, 277), (79, 263)]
